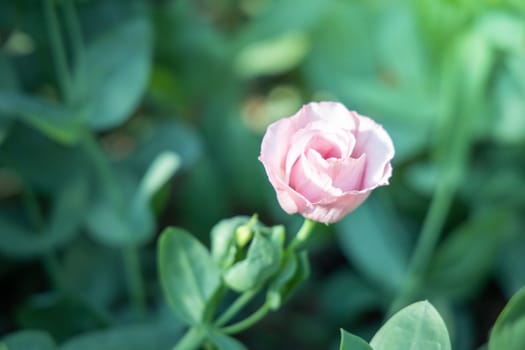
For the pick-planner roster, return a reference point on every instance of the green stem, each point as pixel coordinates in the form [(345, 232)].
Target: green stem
[(103, 168), (430, 233), (75, 30), (453, 151), (302, 235), (52, 268), (76, 39), (134, 279), (58, 50), (236, 306), (130, 254), (191, 340), (247, 322)]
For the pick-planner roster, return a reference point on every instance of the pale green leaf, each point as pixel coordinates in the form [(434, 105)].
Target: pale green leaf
[(417, 326), (188, 274), (352, 342)]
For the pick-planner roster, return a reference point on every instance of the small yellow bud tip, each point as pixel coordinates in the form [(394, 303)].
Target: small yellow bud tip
[(243, 234)]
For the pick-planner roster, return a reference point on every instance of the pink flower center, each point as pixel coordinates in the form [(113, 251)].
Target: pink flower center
[(324, 147)]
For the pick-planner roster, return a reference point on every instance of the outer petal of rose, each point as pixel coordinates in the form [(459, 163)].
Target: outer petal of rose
[(374, 141), (333, 112), (336, 209), (291, 201), (275, 145), (275, 149)]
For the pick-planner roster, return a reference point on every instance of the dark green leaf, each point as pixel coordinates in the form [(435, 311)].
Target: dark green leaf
[(466, 258), (373, 238), (188, 274), (202, 184), (48, 312), (67, 212), (137, 337), (50, 162), (352, 342), (510, 269), (9, 80), (93, 271), (344, 296), (417, 326), (115, 74)]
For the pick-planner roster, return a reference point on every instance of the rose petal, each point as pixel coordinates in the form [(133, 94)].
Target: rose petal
[(373, 141), (309, 177), (335, 209), (348, 174)]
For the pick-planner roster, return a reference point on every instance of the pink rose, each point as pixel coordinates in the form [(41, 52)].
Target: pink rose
[(325, 160)]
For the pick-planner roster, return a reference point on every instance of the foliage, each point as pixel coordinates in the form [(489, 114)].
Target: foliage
[(120, 120)]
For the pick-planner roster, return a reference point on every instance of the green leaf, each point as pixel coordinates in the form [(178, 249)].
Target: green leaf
[(159, 172), (48, 312), (509, 330), (154, 336), (188, 274), (162, 137), (61, 123), (417, 326), (272, 56), (504, 31), (92, 271), (223, 241), (344, 296), (123, 220), (466, 258), (276, 20), (115, 74), (67, 210), (376, 242), (261, 262), (510, 269), (28, 340), (225, 342), (285, 275), (202, 184), (45, 170), (508, 125), (352, 342), (9, 80), (130, 220)]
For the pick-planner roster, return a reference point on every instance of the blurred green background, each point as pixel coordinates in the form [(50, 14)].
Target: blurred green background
[(119, 118)]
